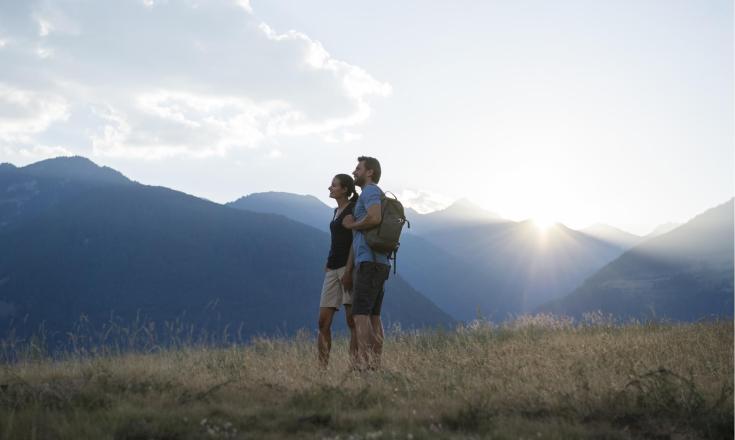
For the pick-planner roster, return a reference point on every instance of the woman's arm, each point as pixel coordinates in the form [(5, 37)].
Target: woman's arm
[(347, 277)]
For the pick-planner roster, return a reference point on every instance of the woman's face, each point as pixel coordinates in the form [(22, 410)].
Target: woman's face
[(335, 190)]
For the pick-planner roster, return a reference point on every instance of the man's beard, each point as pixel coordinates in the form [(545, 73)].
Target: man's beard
[(359, 181)]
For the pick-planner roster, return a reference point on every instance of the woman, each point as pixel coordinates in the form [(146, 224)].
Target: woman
[(338, 270)]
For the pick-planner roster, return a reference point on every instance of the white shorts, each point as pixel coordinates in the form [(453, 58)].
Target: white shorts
[(333, 292)]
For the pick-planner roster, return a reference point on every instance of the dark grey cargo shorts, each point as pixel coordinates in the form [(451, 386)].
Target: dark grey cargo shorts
[(368, 288)]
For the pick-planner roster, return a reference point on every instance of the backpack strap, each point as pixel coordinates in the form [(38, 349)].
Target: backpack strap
[(382, 211)]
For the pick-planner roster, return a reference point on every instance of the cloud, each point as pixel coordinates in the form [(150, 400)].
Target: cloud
[(25, 113), (245, 4), (355, 82), (45, 151), (44, 27), (195, 125), (274, 154), (423, 201), (156, 79)]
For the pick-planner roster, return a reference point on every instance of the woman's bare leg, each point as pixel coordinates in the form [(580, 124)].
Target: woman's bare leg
[(324, 340)]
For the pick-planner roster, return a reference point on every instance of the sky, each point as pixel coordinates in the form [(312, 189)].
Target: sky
[(616, 112)]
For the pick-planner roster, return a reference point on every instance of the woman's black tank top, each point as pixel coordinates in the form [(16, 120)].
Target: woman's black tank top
[(341, 239)]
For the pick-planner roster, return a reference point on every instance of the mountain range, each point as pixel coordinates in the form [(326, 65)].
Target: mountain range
[(469, 261), (473, 262), (78, 239)]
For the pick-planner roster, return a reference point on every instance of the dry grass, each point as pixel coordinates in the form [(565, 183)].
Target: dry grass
[(535, 377)]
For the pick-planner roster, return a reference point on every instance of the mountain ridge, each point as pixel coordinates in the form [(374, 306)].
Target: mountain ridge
[(92, 247), (445, 262), (684, 274)]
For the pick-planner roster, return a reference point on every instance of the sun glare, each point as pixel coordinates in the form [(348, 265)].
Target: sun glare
[(543, 223)]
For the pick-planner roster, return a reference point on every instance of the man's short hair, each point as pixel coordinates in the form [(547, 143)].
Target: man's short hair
[(371, 163)]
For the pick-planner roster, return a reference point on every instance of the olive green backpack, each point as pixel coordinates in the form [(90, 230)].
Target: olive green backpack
[(385, 238)]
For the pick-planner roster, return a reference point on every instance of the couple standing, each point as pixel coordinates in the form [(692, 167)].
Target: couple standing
[(355, 274)]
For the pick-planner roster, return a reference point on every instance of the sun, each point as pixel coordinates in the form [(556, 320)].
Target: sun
[(543, 223)]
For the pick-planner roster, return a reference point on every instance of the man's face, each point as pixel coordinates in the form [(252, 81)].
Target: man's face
[(360, 174)]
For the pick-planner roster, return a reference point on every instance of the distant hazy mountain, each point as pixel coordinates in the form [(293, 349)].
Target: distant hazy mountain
[(308, 209), (524, 265), (521, 266), (685, 274), (662, 229), (102, 243), (459, 214), (613, 235)]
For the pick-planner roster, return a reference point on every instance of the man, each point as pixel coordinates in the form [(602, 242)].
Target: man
[(371, 268)]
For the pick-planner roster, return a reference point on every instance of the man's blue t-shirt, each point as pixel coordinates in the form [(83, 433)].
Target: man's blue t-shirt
[(370, 196)]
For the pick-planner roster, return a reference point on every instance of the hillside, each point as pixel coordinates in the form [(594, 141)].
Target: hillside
[(685, 274), (613, 235)]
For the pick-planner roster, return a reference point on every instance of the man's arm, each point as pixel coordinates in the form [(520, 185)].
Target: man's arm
[(372, 219)]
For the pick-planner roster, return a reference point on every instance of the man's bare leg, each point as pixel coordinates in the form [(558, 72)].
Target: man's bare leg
[(324, 340), (377, 343), (353, 334), (364, 330)]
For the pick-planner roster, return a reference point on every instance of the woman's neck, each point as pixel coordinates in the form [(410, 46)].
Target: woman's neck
[(342, 202)]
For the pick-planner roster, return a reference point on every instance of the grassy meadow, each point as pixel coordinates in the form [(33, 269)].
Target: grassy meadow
[(534, 377)]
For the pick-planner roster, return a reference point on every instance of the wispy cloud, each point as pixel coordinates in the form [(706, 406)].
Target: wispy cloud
[(45, 151), (245, 4), (154, 79), (25, 113)]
